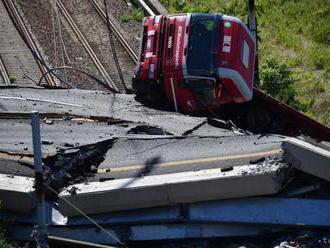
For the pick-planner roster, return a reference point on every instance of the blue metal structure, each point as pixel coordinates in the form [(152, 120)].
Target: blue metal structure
[(241, 217)]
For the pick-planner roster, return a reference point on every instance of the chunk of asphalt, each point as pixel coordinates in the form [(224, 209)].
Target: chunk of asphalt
[(104, 179), (226, 169), (49, 122), (66, 144), (221, 123), (73, 190), (145, 129), (256, 161), (47, 142), (93, 169)]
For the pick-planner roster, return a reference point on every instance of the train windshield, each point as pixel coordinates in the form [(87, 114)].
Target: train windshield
[(201, 56)]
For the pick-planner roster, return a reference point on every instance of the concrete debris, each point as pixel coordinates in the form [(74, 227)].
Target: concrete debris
[(221, 123), (308, 158), (49, 122), (47, 142), (257, 160), (144, 129), (17, 193), (74, 165), (168, 189)]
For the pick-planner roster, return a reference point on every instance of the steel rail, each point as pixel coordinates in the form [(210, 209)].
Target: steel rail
[(4, 72), (146, 8), (87, 46), (28, 38), (118, 35)]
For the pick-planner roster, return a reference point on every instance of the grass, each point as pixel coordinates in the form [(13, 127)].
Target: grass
[(295, 33), (137, 15), (12, 79)]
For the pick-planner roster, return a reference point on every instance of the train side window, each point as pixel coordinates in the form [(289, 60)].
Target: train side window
[(245, 54)]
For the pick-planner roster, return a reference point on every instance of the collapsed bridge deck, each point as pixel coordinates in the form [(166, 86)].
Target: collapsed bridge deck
[(98, 146)]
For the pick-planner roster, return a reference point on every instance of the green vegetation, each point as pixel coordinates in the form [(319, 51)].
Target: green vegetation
[(137, 15), (12, 79), (277, 79), (125, 18), (294, 47), (3, 241)]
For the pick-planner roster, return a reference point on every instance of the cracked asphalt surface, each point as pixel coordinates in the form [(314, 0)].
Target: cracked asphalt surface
[(178, 142)]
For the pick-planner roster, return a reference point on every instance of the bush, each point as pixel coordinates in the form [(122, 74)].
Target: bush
[(276, 78)]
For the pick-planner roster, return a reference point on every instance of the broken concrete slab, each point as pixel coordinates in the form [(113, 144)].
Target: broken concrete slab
[(169, 189), (13, 164), (17, 193), (95, 103), (16, 134), (307, 157), (128, 155)]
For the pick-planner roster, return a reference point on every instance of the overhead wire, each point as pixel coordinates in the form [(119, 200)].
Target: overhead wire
[(49, 70), (61, 34), (34, 53), (112, 46), (78, 70), (61, 47), (54, 31)]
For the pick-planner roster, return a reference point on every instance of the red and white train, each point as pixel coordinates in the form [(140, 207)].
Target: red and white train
[(198, 61)]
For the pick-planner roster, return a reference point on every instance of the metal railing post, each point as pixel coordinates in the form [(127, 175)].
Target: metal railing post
[(41, 210)]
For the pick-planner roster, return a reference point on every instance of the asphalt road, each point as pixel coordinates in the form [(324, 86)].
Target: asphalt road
[(177, 142), (128, 157), (94, 103)]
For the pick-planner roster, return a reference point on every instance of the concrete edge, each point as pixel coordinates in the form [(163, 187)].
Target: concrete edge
[(307, 157)]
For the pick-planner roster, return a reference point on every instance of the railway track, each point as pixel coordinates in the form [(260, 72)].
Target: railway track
[(4, 73), (146, 8), (26, 35), (88, 48), (118, 35), (82, 28)]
